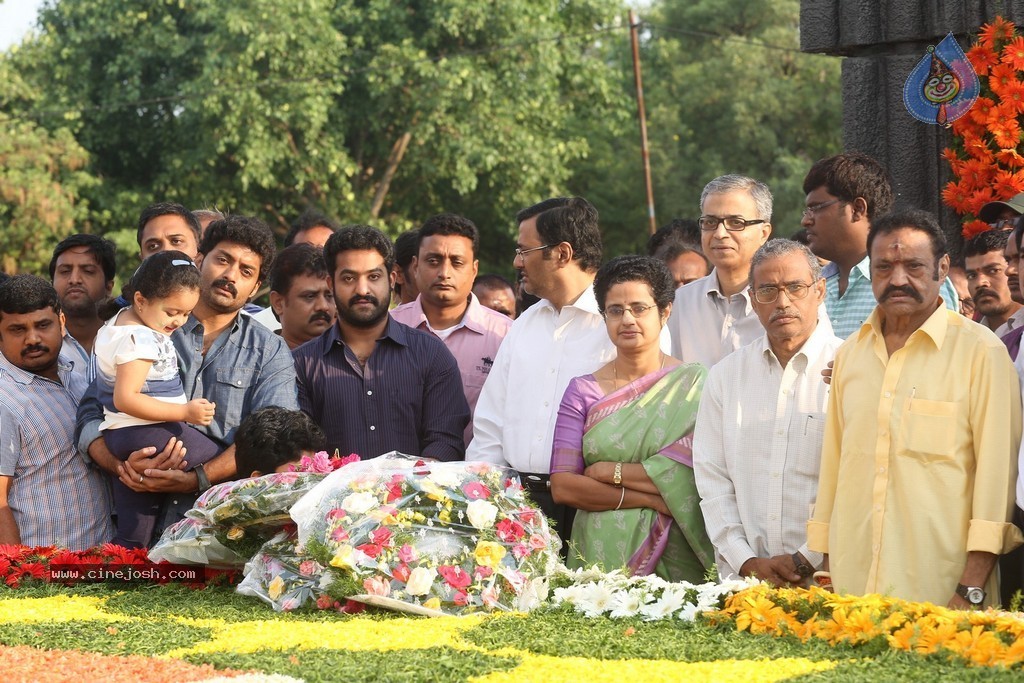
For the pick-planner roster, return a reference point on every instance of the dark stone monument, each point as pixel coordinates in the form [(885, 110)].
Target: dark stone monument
[(882, 41)]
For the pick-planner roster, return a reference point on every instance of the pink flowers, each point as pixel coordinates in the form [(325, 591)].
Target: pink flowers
[(406, 553), (376, 585), (381, 536), (474, 490), (509, 530), (456, 576)]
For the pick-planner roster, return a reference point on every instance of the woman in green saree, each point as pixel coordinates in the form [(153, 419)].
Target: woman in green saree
[(621, 452)]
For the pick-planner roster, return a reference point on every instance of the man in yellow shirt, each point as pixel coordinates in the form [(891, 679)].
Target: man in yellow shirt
[(919, 458)]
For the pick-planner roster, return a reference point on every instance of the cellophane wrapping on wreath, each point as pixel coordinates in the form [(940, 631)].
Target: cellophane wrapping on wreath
[(456, 537), (281, 575), (230, 522)]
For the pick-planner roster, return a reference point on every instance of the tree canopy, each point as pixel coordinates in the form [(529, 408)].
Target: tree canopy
[(385, 112)]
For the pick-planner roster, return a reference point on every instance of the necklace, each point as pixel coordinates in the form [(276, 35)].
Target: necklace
[(615, 370)]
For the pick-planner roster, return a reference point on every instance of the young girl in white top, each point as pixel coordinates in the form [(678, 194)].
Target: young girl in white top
[(144, 402)]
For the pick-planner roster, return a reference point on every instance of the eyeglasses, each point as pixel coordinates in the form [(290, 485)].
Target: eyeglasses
[(813, 209), (520, 253), (732, 223), (967, 306), (769, 293), (636, 310)]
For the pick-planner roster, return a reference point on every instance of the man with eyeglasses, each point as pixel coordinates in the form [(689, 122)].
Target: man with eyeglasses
[(562, 336), (757, 443), (919, 456), (845, 193), (713, 316)]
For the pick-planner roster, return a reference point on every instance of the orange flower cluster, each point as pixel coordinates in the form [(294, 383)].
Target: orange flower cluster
[(987, 638), (986, 152)]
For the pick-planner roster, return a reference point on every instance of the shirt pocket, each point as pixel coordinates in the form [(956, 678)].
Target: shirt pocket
[(929, 428), (230, 394)]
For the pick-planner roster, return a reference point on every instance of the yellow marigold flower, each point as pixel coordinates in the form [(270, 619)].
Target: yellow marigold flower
[(433, 603), (488, 553), (445, 516), (934, 636)]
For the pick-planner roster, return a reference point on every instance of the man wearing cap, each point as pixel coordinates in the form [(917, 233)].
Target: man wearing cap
[(1003, 215)]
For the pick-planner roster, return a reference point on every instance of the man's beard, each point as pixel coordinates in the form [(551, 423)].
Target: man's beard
[(364, 320)]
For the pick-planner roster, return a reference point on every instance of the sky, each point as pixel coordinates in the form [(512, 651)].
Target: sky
[(16, 18)]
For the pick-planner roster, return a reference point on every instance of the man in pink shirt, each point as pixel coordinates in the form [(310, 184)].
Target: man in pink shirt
[(444, 268)]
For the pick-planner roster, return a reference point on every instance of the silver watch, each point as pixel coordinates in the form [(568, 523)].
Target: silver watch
[(972, 594)]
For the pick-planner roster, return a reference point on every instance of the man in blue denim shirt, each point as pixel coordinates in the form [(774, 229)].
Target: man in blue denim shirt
[(223, 357)]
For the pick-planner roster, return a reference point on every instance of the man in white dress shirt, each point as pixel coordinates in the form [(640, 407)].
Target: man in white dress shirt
[(562, 336), (712, 316), (757, 444)]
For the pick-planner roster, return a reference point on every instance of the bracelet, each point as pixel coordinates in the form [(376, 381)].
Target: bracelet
[(617, 478), (622, 497), (201, 478)]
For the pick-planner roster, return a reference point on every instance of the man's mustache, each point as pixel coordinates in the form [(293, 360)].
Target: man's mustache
[(901, 289), (364, 299), (785, 313), (320, 315), (226, 284), (41, 348)]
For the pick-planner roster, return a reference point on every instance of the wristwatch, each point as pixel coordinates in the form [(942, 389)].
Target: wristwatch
[(802, 567), (972, 594), (201, 478)]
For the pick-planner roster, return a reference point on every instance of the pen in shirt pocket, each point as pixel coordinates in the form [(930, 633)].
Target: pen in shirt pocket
[(910, 403), (807, 424)]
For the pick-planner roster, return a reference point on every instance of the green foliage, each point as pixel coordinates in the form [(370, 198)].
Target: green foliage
[(254, 109), (715, 105), (42, 177), (149, 637)]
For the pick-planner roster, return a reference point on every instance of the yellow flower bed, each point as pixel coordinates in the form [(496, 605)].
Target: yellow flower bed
[(988, 638)]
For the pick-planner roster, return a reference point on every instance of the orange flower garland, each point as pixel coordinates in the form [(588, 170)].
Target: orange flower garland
[(986, 154)]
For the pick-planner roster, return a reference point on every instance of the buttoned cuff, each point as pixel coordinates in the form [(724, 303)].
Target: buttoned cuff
[(817, 537), (90, 432), (992, 537), (736, 552)]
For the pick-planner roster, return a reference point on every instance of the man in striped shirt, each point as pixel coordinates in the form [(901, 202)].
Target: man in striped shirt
[(48, 494)]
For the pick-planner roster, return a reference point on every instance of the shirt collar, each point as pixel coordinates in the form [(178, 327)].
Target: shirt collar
[(472, 318), (393, 330), (711, 286), (934, 327), (585, 302), (24, 377), (811, 349), (831, 270)]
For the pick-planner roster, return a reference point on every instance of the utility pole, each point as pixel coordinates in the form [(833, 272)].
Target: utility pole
[(634, 28)]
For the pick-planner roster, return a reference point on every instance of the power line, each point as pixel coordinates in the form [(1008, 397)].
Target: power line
[(736, 38)]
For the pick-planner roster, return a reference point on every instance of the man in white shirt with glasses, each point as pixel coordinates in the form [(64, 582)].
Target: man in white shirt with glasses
[(713, 316), (757, 444)]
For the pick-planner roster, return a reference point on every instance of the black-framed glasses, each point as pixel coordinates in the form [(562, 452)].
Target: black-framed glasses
[(768, 294), (732, 223), (520, 253), (813, 209), (967, 306), (615, 311)]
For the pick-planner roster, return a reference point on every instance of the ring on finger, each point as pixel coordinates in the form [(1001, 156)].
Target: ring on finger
[(141, 478)]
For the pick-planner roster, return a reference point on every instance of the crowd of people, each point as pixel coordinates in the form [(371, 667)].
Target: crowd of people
[(841, 407)]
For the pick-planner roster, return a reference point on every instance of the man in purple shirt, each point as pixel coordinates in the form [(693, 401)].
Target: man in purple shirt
[(444, 269), (373, 384)]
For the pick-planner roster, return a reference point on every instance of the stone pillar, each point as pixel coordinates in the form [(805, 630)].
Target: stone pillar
[(881, 41)]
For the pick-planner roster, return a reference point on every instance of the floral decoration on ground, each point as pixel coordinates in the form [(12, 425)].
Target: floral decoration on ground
[(981, 638), (986, 154), (450, 537)]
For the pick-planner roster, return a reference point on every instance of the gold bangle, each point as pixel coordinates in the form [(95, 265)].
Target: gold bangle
[(617, 478)]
